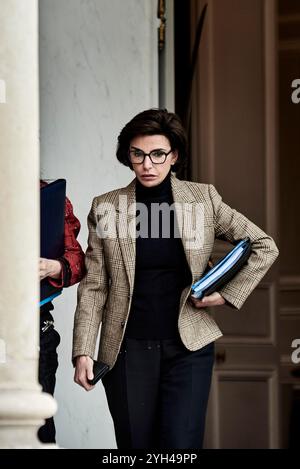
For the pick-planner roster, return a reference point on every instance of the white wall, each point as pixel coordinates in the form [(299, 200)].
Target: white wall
[(98, 68)]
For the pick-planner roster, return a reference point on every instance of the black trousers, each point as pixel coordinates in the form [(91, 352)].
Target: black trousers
[(157, 393), (48, 363)]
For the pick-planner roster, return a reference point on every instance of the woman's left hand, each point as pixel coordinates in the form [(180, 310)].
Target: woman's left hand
[(215, 299), (49, 268)]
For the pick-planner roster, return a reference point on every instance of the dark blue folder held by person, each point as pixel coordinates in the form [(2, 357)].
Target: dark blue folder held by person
[(223, 271), (52, 219)]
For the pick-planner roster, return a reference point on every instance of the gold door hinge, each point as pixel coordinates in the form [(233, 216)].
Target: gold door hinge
[(161, 14)]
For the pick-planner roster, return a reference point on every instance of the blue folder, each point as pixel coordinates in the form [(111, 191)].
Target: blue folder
[(223, 271), (52, 222)]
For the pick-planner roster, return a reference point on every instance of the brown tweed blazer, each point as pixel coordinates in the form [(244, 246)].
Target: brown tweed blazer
[(105, 293)]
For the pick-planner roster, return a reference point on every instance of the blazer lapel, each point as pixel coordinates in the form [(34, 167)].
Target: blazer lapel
[(185, 207), (126, 229)]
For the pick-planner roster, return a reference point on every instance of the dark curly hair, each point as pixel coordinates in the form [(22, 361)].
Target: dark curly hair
[(154, 122)]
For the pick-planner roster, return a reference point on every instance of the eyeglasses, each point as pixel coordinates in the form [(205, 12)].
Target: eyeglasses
[(137, 156)]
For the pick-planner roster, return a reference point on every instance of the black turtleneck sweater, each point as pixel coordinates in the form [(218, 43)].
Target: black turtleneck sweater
[(161, 271)]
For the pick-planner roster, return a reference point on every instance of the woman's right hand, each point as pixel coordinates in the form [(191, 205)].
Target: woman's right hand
[(84, 371)]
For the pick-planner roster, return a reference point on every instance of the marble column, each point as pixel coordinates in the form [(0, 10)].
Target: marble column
[(23, 407)]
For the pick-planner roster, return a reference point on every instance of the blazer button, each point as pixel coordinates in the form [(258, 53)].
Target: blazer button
[(122, 324)]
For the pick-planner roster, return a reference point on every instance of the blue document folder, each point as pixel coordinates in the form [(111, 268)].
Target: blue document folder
[(52, 220), (223, 271)]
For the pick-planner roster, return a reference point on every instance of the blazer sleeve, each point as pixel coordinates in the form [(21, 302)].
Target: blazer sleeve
[(230, 225), (91, 294)]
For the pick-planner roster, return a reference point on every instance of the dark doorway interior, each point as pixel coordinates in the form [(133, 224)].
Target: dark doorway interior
[(182, 63)]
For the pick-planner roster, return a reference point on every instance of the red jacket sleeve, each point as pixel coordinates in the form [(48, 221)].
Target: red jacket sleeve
[(73, 267)]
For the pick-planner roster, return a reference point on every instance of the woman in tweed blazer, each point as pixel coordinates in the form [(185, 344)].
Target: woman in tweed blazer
[(156, 339)]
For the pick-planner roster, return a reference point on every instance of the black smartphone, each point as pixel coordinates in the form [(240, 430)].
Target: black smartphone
[(99, 370)]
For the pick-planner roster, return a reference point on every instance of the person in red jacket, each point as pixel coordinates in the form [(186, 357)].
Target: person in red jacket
[(63, 272)]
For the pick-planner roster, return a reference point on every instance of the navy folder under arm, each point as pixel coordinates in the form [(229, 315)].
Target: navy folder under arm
[(223, 271), (52, 220)]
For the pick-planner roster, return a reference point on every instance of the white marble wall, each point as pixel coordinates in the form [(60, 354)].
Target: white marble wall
[(22, 405), (98, 68)]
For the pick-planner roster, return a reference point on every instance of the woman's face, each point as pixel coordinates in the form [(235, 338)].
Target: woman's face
[(151, 174)]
